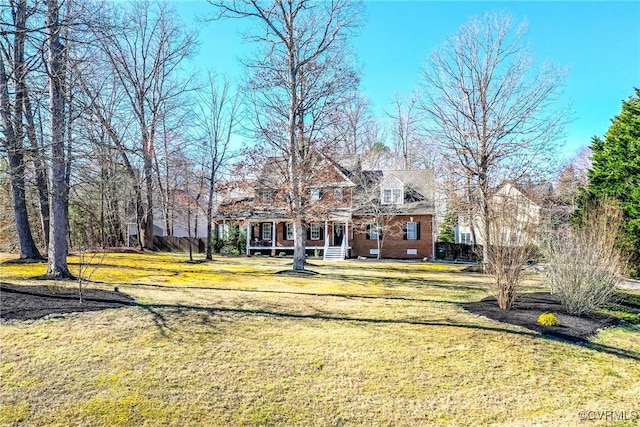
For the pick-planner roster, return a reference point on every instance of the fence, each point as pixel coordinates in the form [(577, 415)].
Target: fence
[(457, 251), (178, 244)]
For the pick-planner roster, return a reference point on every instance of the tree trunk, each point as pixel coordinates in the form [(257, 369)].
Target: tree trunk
[(212, 180), (42, 181), (28, 248), (57, 266), (147, 151), (296, 199), (15, 153), (486, 220), (298, 245)]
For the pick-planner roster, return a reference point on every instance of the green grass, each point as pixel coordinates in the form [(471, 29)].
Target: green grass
[(363, 343)]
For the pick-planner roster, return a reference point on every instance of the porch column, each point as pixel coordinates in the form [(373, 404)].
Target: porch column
[(326, 233), (346, 234), (248, 237), (273, 234)]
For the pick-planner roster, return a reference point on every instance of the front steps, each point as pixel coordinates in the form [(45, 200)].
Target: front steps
[(334, 253)]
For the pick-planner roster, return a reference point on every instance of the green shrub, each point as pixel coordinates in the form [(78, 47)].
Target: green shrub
[(548, 319), (316, 252), (282, 254)]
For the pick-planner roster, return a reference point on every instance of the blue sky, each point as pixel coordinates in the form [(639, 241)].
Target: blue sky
[(599, 42)]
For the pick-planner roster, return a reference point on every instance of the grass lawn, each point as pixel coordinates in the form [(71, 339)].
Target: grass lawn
[(362, 343)]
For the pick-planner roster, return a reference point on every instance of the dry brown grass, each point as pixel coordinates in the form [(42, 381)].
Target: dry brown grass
[(363, 343)]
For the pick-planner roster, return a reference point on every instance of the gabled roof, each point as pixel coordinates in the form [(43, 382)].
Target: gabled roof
[(418, 186), (275, 169)]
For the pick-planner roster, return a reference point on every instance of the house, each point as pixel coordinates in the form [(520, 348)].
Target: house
[(178, 224), (514, 210), (348, 211)]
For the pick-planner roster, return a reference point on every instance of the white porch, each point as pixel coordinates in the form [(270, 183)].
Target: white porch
[(329, 239)]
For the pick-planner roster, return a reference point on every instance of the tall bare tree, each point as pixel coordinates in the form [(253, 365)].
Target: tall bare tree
[(13, 73), (145, 52), (489, 110), (404, 129), (216, 119), (57, 72), (299, 76), (355, 130)]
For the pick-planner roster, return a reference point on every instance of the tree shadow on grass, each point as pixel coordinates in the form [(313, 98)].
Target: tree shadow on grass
[(301, 293), (30, 302), (153, 308)]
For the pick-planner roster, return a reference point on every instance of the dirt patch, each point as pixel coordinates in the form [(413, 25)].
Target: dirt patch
[(33, 302), (529, 306)]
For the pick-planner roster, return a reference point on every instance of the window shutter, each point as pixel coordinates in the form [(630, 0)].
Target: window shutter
[(284, 230), (308, 232), (405, 227), (368, 231), (418, 230)]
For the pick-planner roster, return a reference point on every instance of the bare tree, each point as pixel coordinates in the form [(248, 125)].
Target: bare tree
[(13, 67), (145, 53), (585, 264), (217, 119), (404, 129), (57, 72), (514, 221), (377, 220), (489, 110), (299, 76), (354, 129)]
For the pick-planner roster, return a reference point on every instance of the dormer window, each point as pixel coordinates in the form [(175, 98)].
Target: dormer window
[(392, 191), (266, 196), (316, 194), (392, 196)]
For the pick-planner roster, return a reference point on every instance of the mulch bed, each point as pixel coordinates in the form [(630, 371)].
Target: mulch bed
[(38, 301), (528, 307), (297, 273)]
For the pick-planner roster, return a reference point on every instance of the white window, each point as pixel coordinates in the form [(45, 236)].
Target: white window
[(392, 196), (465, 238), (315, 194), (266, 196), (224, 231), (339, 194), (315, 231), (266, 231), (373, 231), (289, 231), (412, 231)]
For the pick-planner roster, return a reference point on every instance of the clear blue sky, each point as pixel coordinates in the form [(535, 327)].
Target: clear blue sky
[(599, 41)]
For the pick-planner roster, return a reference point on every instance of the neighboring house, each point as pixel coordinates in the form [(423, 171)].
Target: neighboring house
[(515, 210), (180, 229), (347, 210)]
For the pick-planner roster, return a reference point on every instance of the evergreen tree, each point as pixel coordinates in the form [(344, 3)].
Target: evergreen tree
[(446, 233), (615, 174)]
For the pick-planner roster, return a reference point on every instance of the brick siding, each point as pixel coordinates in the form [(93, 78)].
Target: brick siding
[(394, 244)]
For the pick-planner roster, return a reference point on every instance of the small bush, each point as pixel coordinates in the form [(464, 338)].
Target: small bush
[(282, 254), (584, 264), (548, 319)]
